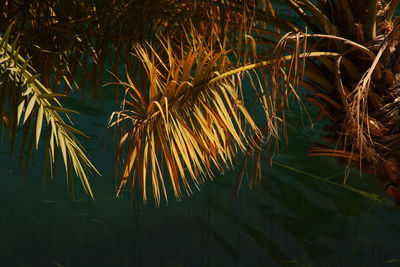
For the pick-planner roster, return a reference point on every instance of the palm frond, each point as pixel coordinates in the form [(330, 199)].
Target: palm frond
[(189, 118), (370, 25), (23, 95), (355, 88), (392, 9)]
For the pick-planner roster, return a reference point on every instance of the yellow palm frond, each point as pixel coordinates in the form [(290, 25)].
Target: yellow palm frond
[(189, 119), (27, 97)]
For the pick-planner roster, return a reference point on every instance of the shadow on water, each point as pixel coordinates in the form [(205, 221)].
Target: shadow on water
[(297, 220)]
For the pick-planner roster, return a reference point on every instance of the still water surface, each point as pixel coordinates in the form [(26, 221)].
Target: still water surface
[(297, 220)]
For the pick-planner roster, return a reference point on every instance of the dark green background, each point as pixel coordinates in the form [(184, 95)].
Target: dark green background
[(297, 220)]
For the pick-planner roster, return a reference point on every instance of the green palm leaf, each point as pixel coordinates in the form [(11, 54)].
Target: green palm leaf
[(22, 94)]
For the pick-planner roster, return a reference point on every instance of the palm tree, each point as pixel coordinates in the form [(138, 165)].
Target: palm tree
[(183, 109), (354, 81), (63, 37)]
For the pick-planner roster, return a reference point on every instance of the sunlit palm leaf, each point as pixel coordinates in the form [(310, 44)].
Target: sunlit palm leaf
[(23, 95), (187, 121)]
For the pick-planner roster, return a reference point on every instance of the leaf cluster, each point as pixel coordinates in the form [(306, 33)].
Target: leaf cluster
[(27, 102)]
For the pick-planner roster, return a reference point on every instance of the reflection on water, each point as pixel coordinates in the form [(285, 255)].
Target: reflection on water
[(297, 220)]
